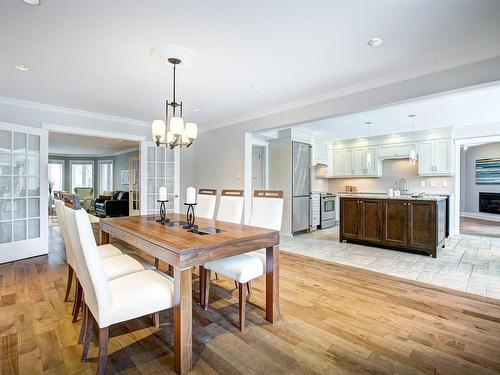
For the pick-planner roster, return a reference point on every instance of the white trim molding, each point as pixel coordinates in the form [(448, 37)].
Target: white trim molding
[(91, 132), (70, 111)]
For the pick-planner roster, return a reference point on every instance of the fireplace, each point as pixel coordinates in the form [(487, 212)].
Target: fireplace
[(489, 202)]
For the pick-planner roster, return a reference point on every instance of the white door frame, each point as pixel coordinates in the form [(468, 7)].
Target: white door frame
[(38, 246), (251, 140), (459, 143)]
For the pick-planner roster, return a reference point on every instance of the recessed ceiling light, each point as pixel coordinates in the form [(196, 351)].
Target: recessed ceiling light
[(32, 2), (120, 141), (255, 87), (21, 67), (375, 42), (196, 110)]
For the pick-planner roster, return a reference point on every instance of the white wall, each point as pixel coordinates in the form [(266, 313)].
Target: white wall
[(220, 153), (469, 189)]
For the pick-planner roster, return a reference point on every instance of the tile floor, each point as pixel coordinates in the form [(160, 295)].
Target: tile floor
[(467, 263)]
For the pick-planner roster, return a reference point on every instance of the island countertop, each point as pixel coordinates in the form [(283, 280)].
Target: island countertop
[(423, 197)]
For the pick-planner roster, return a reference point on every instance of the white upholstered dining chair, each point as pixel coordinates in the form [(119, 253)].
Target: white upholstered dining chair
[(230, 206), (115, 263), (112, 301), (205, 203), (267, 212)]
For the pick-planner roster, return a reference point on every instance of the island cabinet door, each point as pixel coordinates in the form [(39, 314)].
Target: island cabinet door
[(395, 223), (422, 225), (370, 220), (349, 219)]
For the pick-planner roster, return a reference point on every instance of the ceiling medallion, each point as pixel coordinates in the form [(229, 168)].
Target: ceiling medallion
[(178, 133)]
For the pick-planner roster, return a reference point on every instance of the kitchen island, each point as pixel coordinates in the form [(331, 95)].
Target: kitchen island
[(403, 223)]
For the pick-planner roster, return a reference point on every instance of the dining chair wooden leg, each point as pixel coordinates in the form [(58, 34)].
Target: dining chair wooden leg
[(87, 337), (249, 289), (156, 319), (235, 284), (242, 295), (84, 324), (69, 282), (206, 292), (201, 272), (216, 276), (78, 302), (157, 263), (103, 350)]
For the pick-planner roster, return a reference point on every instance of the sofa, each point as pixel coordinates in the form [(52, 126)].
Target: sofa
[(115, 205)]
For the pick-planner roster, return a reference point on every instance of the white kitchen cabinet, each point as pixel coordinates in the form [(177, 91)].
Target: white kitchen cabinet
[(396, 151), (349, 162), (320, 153), (338, 162), (435, 158)]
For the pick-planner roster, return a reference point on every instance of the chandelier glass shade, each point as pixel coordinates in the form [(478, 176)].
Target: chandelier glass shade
[(178, 133)]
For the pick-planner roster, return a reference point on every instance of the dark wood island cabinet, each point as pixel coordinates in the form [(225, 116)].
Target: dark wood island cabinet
[(403, 224)]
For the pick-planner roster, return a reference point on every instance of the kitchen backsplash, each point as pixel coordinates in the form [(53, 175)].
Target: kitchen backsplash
[(391, 170)]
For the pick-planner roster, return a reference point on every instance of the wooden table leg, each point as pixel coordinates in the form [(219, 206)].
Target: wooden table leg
[(104, 237), (183, 336), (272, 284)]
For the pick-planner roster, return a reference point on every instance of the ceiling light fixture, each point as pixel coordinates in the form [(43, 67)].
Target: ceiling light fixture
[(179, 134), (413, 155), (255, 87), (21, 67), (196, 110), (32, 2), (375, 42)]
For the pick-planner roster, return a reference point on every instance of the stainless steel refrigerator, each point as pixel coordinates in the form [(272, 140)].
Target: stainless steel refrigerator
[(301, 187)]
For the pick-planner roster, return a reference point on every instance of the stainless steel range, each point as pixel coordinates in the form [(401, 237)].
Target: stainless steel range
[(327, 210)]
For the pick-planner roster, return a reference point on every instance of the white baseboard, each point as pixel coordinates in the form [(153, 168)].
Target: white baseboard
[(480, 215)]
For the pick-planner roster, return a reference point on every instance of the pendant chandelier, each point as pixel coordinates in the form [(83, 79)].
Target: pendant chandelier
[(178, 134), (413, 155)]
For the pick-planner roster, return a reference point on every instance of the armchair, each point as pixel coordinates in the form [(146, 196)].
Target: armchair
[(86, 195), (116, 205)]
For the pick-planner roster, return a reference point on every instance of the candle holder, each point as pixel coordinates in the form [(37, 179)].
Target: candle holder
[(163, 212), (190, 218)]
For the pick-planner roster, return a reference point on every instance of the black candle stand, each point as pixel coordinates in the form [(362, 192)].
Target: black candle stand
[(163, 212), (190, 218)]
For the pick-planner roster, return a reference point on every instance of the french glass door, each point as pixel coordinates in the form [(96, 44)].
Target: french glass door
[(134, 186), (23, 192), (160, 167)]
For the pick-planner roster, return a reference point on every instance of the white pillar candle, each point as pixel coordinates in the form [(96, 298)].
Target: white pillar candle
[(163, 193), (190, 195)]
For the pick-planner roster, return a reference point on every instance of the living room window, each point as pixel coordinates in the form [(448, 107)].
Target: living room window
[(56, 174), (82, 174), (105, 176)]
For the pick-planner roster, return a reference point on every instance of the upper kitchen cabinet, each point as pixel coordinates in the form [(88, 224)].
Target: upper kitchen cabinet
[(435, 158), (319, 153), (354, 162)]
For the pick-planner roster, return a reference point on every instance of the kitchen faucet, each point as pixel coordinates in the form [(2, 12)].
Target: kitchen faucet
[(401, 184)]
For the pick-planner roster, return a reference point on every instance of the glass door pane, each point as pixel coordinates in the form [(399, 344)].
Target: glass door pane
[(21, 202)]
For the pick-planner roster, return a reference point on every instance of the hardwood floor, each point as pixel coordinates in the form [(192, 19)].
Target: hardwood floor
[(335, 319), (479, 227)]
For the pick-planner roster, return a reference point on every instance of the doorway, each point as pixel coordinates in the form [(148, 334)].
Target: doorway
[(480, 189), (259, 167)]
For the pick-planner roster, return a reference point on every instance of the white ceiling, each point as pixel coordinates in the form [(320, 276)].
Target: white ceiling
[(96, 55), (78, 145), (473, 107)]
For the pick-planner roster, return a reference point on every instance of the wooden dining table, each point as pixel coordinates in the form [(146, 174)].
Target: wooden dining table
[(182, 249)]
